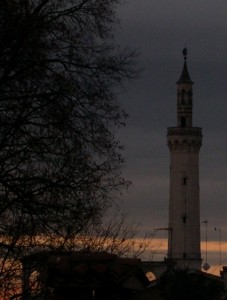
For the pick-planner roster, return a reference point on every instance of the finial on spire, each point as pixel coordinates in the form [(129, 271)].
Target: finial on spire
[(185, 78), (185, 52)]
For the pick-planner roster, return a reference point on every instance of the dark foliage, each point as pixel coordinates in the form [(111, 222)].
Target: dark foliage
[(59, 158)]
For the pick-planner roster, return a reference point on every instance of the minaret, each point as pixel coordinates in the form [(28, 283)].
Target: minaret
[(184, 142)]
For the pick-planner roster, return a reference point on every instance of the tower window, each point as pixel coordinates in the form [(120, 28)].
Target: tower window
[(189, 97), (183, 122), (184, 180), (182, 96)]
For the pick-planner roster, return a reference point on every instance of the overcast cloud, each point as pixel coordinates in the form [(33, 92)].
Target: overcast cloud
[(159, 30)]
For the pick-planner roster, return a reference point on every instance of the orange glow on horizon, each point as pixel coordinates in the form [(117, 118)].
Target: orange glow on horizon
[(159, 246), (212, 246)]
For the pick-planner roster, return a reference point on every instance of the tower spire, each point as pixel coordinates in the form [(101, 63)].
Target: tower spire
[(185, 77), (184, 96)]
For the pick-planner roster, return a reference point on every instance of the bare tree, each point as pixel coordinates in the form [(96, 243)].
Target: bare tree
[(59, 158), (115, 237), (115, 234)]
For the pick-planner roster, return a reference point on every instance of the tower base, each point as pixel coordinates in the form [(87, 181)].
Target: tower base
[(190, 264)]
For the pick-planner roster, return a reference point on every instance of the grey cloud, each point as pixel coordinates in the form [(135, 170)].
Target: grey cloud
[(158, 30)]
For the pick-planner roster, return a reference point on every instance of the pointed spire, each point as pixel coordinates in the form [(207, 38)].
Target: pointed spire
[(185, 77)]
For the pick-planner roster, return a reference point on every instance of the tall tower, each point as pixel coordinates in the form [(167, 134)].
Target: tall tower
[(184, 142)]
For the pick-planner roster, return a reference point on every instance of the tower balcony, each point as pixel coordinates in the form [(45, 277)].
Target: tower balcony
[(184, 131), (184, 139)]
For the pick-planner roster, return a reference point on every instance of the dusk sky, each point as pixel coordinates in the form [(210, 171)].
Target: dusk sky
[(158, 31)]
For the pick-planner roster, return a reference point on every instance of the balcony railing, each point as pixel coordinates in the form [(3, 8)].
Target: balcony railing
[(184, 131)]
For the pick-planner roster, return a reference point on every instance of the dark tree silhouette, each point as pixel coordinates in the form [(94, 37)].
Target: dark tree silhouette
[(59, 157)]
